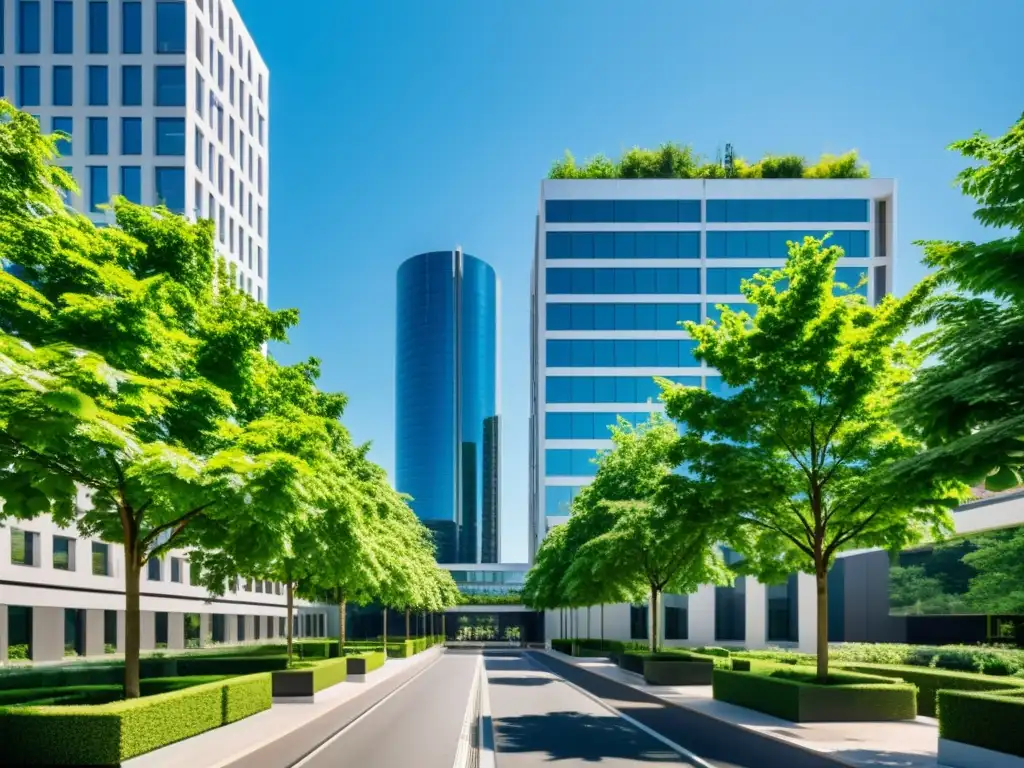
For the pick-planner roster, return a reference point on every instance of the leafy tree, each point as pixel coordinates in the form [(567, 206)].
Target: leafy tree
[(998, 586), (123, 364), (968, 405), (803, 454), (542, 588)]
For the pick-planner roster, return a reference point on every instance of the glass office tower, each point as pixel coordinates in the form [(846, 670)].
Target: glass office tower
[(446, 400)]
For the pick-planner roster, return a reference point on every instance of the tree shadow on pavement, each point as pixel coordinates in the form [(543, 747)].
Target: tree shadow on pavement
[(526, 682), (574, 736), (506, 664)]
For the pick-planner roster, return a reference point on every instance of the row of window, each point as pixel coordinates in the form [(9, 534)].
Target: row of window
[(570, 462), (608, 389), (773, 245), (588, 426), (168, 30), (169, 135), (237, 50), (620, 317), (621, 353), (168, 186), (168, 86), (622, 245), (215, 116), (796, 211), (624, 211), (667, 281)]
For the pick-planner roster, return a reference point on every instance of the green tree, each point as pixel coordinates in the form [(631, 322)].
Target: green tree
[(124, 363), (968, 404), (998, 586), (802, 455)]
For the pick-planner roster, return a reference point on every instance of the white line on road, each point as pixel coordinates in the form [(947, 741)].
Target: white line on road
[(485, 732), (465, 747), (681, 750)]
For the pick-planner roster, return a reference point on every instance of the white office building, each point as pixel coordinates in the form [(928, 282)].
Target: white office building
[(166, 101), (618, 264)]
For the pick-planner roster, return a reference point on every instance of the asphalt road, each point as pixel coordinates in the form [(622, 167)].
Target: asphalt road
[(539, 720), (418, 727)]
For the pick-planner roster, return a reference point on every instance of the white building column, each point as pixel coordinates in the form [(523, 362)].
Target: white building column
[(175, 631), (807, 613), (249, 629), (701, 616), (47, 634), (230, 628), (94, 632), (120, 632), (756, 614), (147, 630)]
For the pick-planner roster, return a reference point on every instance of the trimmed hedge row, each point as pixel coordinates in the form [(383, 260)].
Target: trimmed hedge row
[(108, 734), (791, 695), (988, 720), (98, 694), (930, 681)]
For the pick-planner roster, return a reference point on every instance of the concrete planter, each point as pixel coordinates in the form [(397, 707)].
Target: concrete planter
[(682, 672), (956, 754), (296, 685)]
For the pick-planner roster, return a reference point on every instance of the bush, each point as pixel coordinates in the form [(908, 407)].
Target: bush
[(741, 665), (108, 734), (987, 720), (97, 694), (792, 694), (963, 658), (930, 681), (712, 650), (18, 652)]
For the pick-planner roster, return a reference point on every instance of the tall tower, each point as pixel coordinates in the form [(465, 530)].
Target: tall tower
[(165, 101), (447, 408)]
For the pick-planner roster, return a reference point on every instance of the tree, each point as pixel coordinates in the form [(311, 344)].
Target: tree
[(968, 404), (542, 588), (128, 350), (803, 454), (638, 529), (998, 586)]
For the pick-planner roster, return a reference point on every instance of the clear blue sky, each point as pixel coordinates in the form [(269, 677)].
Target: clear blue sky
[(402, 127)]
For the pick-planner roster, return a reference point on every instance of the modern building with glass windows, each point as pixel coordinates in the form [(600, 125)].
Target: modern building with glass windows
[(165, 101), (447, 422), (618, 264)]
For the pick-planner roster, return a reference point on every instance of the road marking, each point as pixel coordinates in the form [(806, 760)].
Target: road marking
[(485, 728), (464, 750), (677, 748)]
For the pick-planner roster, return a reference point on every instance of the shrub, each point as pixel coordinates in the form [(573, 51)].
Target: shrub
[(108, 734), (963, 658), (792, 695), (108, 648), (712, 650), (741, 665), (930, 681), (374, 660), (18, 652), (987, 720)]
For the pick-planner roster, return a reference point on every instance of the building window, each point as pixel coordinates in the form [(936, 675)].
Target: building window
[(131, 86), (98, 86), (100, 559), (131, 183), (198, 149), (195, 575), (63, 26), (28, 26), (259, 294), (262, 123), (259, 220), (98, 136), (98, 27), (170, 188), (131, 135), (638, 622), (63, 553), (153, 569), (240, 628), (170, 87), (64, 125), (160, 629), (199, 93), (170, 26), (28, 86), (23, 547), (63, 87), (176, 570), (170, 136), (99, 192), (110, 631), (131, 27), (259, 262)]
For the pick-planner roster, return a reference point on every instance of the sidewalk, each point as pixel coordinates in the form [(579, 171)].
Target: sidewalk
[(231, 743), (906, 744)]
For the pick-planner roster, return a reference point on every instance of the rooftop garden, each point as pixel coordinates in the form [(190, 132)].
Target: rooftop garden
[(675, 161)]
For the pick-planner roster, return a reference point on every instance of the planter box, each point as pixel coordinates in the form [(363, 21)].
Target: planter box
[(631, 662), (681, 672), (292, 685)]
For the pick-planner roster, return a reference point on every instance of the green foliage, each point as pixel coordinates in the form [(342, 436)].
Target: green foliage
[(802, 457), (17, 652), (969, 403), (512, 597), (109, 734), (998, 586), (674, 161), (986, 720), (797, 695)]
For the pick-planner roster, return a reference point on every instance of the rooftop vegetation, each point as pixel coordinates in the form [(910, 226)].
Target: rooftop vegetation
[(675, 161)]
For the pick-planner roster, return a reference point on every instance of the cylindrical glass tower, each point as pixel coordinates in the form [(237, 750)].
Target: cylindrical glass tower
[(446, 401)]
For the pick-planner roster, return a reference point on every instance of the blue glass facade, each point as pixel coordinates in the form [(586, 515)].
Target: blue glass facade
[(447, 423)]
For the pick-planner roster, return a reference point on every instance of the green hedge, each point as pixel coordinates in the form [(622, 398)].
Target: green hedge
[(988, 720), (329, 672), (790, 695), (374, 660), (98, 694), (930, 681), (108, 734)]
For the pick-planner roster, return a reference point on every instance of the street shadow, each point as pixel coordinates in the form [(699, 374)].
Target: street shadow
[(888, 759), (506, 664), (526, 682), (574, 736)]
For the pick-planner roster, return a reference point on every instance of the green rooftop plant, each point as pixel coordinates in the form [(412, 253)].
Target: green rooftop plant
[(676, 161)]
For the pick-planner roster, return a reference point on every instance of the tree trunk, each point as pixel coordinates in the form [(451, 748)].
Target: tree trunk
[(342, 605), (821, 582), (602, 626), (408, 613), (289, 607), (654, 620), (444, 630), (132, 630)]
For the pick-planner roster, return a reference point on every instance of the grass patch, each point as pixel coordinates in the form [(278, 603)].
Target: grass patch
[(793, 694), (988, 720)]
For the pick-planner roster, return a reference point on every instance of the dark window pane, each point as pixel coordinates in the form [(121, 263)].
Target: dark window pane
[(63, 26), (63, 87), (131, 86), (131, 135), (64, 125), (98, 136), (98, 27), (98, 86), (170, 87), (170, 136), (131, 183), (99, 192), (170, 27), (170, 188), (28, 26), (131, 27)]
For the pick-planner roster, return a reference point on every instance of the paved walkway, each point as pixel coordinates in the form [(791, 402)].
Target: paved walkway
[(237, 744), (906, 744)]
